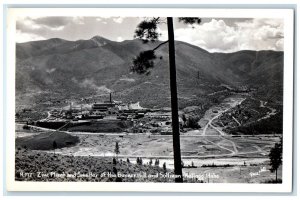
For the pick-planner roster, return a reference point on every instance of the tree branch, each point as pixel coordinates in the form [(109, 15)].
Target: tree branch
[(160, 45)]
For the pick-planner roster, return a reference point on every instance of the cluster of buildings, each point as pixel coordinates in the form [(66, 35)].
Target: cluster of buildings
[(118, 110), (156, 121)]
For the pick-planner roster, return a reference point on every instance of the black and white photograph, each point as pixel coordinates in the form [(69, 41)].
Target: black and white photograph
[(151, 99)]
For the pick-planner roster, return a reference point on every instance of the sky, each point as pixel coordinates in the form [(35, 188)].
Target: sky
[(213, 34)]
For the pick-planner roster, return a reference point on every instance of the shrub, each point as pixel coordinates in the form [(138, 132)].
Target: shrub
[(192, 122), (164, 167), (26, 127)]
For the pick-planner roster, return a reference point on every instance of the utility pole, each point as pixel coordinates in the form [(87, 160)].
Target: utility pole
[(174, 103)]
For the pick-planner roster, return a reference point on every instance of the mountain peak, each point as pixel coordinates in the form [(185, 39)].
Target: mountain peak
[(99, 38), (56, 39), (99, 41)]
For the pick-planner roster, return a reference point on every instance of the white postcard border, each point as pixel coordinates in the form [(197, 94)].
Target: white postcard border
[(286, 186)]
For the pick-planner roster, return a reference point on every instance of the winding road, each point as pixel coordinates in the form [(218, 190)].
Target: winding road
[(234, 149), (217, 116)]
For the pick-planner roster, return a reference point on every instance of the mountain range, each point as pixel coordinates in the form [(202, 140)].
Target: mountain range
[(60, 69)]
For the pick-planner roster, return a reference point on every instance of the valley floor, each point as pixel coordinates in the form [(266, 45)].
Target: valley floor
[(208, 154)]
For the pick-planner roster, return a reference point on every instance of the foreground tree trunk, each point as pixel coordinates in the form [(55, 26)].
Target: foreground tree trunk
[(174, 103)]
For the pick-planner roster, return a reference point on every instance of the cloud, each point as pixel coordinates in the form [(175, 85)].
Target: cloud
[(102, 20), (78, 20), (40, 25), (217, 36), (118, 20), (261, 34), (25, 37), (27, 24), (120, 39), (214, 35), (279, 44), (37, 28), (52, 22)]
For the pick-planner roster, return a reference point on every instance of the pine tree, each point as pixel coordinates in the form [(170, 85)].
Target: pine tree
[(157, 162), (164, 167), (141, 161), (147, 31), (54, 146), (115, 170), (117, 149), (275, 157)]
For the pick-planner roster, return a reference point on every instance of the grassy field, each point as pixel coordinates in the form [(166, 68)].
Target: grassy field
[(94, 155), (40, 166), (47, 140)]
